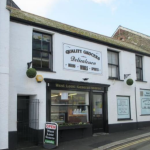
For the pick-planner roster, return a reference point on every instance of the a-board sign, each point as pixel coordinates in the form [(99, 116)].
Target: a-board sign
[(51, 135)]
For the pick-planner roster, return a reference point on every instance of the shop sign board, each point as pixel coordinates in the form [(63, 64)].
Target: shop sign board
[(82, 59), (51, 135), (123, 106), (145, 102)]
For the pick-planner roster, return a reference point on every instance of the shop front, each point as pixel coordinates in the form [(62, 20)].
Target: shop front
[(79, 108)]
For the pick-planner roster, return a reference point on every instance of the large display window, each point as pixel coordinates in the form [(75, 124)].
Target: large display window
[(69, 106)]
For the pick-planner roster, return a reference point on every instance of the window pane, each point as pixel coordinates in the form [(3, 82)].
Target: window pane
[(139, 74), (45, 60), (109, 57), (97, 105), (46, 43), (109, 70), (77, 114), (139, 61), (70, 98), (37, 40), (114, 58), (113, 71), (69, 114), (59, 114), (36, 59)]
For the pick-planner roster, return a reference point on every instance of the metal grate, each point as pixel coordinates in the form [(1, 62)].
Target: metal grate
[(28, 122)]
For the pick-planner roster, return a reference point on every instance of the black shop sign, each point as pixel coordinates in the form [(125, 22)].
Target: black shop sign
[(51, 135)]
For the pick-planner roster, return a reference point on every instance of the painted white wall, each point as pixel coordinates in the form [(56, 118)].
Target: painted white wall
[(4, 73), (21, 53)]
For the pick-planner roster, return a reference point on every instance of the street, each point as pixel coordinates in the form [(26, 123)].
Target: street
[(141, 144), (101, 141)]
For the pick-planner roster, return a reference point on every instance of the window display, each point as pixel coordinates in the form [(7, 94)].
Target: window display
[(69, 106)]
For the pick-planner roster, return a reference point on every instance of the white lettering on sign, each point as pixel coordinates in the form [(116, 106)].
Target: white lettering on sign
[(81, 59), (50, 126)]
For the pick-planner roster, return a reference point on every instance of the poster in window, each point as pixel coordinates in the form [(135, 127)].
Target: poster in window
[(145, 102), (82, 59), (123, 107)]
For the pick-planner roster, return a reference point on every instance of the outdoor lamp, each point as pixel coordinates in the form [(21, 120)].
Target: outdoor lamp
[(39, 78)]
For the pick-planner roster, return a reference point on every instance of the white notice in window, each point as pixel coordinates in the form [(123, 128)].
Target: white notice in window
[(64, 96)]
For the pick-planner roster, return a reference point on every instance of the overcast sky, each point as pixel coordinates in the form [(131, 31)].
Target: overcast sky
[(100, 16)]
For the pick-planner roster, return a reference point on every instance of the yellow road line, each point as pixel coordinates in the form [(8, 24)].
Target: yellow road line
[(130, 144)]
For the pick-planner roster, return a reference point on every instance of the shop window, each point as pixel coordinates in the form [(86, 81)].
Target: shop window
[(123, 107), (42, 51), (113, 64), (139, 68), (69, 107)]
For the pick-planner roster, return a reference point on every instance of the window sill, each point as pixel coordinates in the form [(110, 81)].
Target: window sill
[(145, 115), (141, 81), (124, 119), (47, 70), (115, 79)]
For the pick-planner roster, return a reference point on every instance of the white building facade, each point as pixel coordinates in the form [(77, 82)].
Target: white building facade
[(72, 91)]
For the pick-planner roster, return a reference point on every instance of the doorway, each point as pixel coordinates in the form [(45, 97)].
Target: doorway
[(98, 123), (27, 121)]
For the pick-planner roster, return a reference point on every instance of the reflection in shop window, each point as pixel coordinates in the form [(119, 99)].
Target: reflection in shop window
[(69, 106)]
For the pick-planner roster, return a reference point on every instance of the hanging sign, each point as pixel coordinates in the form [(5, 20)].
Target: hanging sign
[(51, 135), (81, 59), (145, 102)]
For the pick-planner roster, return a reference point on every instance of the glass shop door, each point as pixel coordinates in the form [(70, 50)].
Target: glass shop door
[(97, 113)]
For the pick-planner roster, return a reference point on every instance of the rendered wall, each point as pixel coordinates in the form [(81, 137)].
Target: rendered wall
[(4, 74), (21, 53)]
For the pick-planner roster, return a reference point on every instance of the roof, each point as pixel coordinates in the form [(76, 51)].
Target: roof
[(12, 4), (132, 31), (28, 17), (129, 36)]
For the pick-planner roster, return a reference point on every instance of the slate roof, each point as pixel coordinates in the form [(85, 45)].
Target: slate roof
[(25, 16)]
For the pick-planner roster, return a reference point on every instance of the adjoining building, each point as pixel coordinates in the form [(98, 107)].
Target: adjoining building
[(132, 37), (87, 86)]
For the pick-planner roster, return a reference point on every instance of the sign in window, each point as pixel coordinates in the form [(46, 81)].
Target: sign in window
[(123, 107), (145, 102)]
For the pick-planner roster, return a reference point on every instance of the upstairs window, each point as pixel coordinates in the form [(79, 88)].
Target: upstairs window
[(139, 68), (42, 51), (113, 65)]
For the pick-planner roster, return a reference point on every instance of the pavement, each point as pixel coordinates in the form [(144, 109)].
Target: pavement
[(101, 141)]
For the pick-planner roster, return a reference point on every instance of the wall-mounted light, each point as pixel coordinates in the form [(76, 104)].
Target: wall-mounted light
[(39, 78)]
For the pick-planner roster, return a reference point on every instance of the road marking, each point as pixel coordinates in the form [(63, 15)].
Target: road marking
[(113, 144), (130, 144)]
